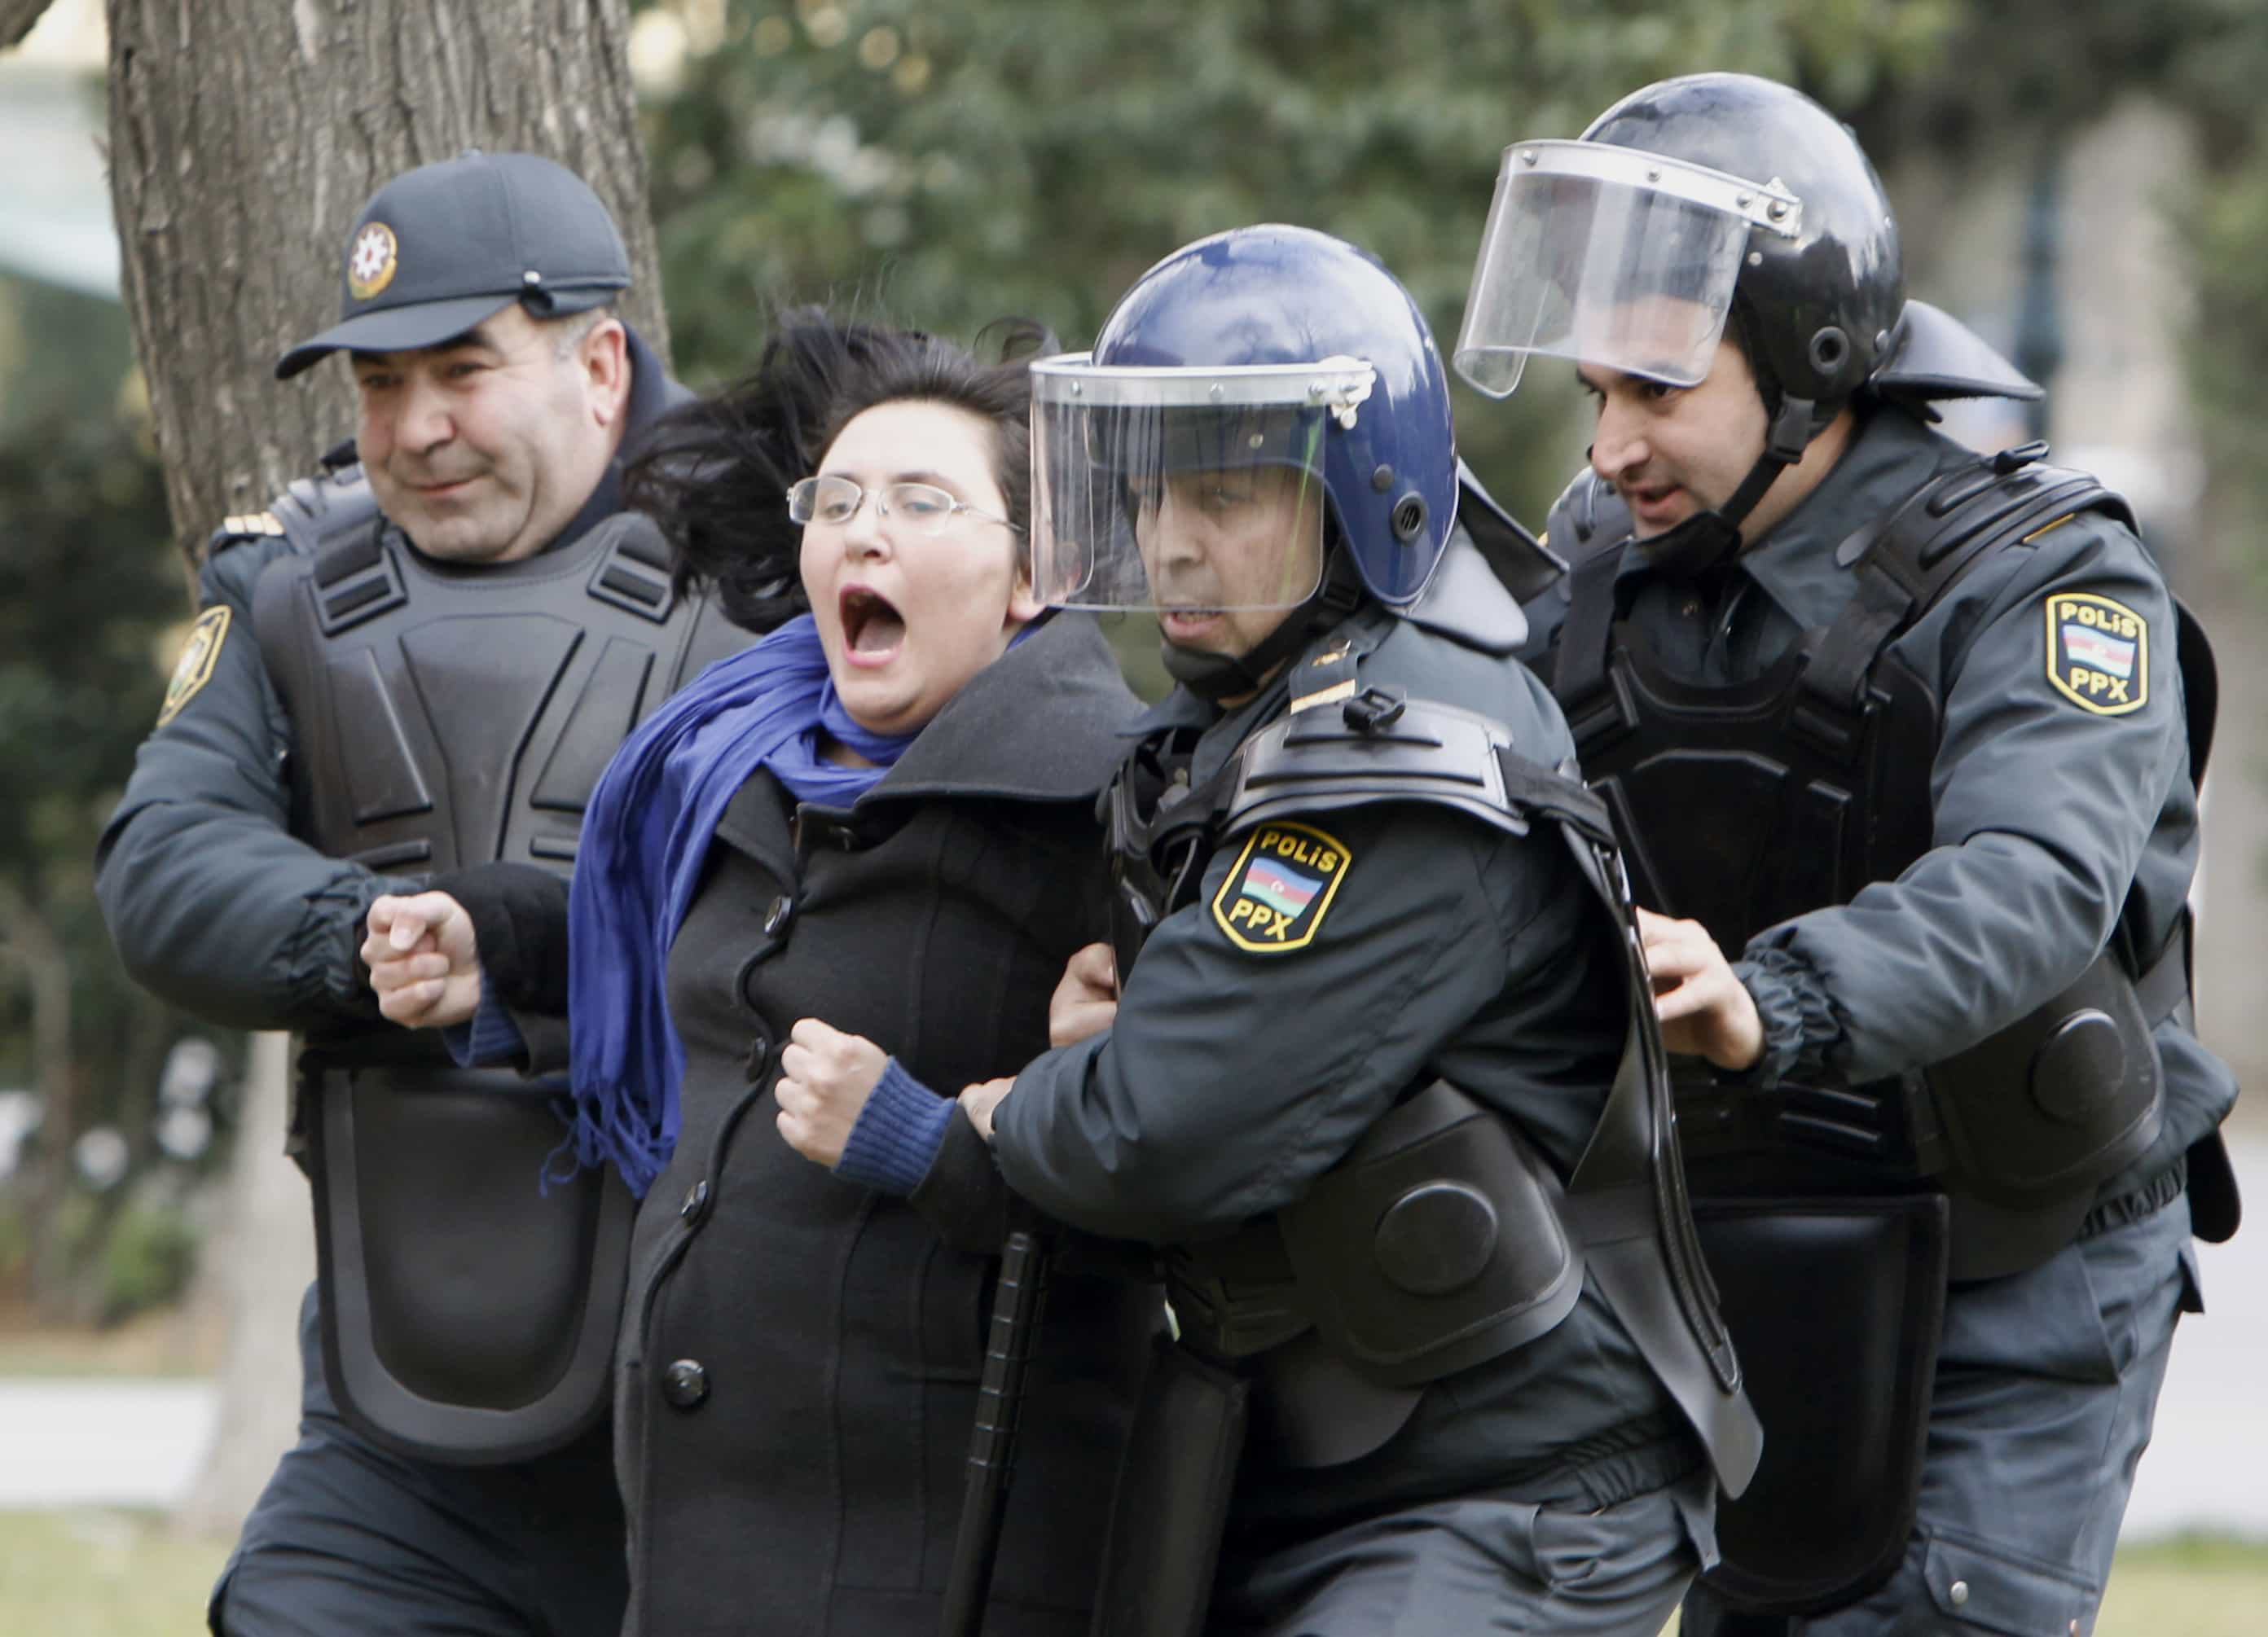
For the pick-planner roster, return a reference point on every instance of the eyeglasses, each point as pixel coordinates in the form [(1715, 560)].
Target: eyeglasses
[(834, 500)]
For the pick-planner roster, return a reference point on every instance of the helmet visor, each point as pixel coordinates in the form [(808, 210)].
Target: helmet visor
[(1182, 491), (1611, 257)]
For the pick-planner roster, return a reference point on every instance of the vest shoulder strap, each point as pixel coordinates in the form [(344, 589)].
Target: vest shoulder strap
[(1378, 747), (1909, 559)]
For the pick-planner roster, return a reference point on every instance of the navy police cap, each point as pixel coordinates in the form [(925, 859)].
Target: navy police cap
[(439, 248)]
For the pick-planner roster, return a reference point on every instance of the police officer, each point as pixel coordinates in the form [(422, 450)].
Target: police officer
[(374, 692), (1895, 735), (1381, 1075)]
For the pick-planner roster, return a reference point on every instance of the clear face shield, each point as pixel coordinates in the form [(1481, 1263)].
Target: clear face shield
[(1610, 257), (1185, 492)]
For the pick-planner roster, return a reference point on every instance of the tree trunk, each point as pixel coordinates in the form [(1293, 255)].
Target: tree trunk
[(16, 18), (244, 135), (254, 1268)]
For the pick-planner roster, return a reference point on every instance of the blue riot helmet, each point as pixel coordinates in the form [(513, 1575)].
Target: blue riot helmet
[(1698, 204), (1262, 423)]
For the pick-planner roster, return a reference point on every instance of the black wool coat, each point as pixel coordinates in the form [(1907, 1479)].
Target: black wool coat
[(799, 1355)]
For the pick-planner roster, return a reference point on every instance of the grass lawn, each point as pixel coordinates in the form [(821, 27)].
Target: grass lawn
[(122, 1575), (102, 1575)]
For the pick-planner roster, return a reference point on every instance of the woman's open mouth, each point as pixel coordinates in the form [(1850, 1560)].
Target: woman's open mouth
[(873, 629)]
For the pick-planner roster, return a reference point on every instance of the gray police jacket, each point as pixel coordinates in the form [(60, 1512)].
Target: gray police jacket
[(2060, 820), (1239, 1069), (216, 894)]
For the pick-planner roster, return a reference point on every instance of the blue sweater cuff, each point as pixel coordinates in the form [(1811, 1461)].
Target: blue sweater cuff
[(491, 1037), (897, 1134)]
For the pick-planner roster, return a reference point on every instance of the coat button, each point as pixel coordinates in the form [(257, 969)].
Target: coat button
[(1958, 1593), (696, 1200), (685, 1384), (776, 917)]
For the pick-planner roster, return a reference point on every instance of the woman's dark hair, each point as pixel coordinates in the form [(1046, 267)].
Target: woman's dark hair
[(715, 474)]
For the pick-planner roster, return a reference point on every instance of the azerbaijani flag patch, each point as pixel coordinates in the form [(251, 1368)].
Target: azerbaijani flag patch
[(1281, 888), (2098, 653)]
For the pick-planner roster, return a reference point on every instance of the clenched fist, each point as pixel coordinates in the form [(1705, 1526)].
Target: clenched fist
[(424, 963), (825, 1078)]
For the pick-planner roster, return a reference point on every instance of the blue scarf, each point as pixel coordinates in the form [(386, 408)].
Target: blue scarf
[(645, 835)]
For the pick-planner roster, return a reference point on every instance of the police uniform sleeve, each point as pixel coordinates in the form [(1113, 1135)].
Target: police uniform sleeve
[(2062, 739), (210, 900), (1268, 1024)]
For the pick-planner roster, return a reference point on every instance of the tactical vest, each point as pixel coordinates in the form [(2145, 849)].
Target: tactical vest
[(445, 717), (1443, 1239), (1743, 805)]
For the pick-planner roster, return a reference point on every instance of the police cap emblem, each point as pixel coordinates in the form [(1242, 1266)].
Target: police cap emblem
[(195, 667), (1282, 884), (2098, 653), (371, 261)]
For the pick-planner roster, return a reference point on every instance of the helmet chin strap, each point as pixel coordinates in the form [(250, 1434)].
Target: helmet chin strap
[(1712, 536), (1216, 676)]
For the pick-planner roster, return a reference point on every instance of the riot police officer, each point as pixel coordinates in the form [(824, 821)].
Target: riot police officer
[(1896, 737), (1381, 1078), (416, 665)]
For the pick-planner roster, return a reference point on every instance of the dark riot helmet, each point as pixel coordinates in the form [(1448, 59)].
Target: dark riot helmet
[(1696, 203), (1268, 370)]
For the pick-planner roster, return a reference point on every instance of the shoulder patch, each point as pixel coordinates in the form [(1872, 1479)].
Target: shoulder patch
[(195, 667), (1282, 884), (2098, 653)]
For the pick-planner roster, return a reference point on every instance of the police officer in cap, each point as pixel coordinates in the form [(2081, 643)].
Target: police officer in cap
[(1897, 738), (407, 668), (1383, 1078)]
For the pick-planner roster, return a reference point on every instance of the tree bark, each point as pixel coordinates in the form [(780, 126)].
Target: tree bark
[(244, 135), (254, 1268), (16, 18)]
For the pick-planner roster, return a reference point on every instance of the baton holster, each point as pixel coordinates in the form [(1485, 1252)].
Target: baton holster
[(1171, 1504)]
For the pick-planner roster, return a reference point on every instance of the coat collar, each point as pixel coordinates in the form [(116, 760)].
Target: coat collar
[(1891, 455), (1039, 723)]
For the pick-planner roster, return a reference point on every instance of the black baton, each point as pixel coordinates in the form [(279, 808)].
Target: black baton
[(992, 1445)]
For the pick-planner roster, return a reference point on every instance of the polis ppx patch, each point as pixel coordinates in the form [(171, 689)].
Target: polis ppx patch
[(1282, 887), (195, 668), (2098, 653)]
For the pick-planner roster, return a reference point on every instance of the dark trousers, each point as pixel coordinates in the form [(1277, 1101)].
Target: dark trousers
[(349, 1540)]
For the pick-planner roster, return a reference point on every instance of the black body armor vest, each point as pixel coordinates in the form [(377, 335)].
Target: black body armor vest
[(450, 716), (1744, 806), (1748, 804), (446, 718), (1443, 1239)]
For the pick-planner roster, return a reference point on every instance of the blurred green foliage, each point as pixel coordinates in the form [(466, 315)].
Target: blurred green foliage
[(2043, 67), (952, 163), (90, 602)]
